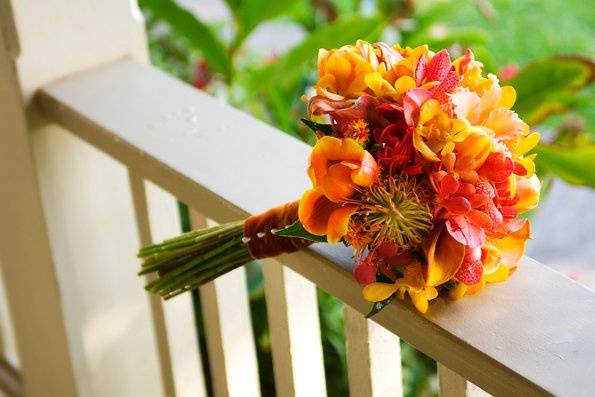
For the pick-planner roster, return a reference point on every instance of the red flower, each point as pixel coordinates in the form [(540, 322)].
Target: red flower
[(397, 152)]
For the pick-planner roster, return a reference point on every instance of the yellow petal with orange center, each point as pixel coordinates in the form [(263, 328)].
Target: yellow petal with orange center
[(338, 223), (377, 292), (444, 256), (528, 162)]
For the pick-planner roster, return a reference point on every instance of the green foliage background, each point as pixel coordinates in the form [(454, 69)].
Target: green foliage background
[(551, 42)]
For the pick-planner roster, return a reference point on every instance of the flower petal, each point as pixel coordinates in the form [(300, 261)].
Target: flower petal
[(465, 232), (528, 190), (420, 300), (315, 210), (367, 173), (444, 256), (422, 147), (338, 223), (457, 292), (512, 246), (377, 292), (336, 183), (508, 97)]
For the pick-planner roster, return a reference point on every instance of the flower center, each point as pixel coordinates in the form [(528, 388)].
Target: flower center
[(397, 211)]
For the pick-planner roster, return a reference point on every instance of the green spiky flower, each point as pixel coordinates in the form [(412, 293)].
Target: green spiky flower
[(396, 210)]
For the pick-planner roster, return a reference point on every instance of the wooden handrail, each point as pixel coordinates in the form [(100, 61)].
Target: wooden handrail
[(534, 335)]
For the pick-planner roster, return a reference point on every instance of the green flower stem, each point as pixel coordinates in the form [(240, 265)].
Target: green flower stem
[(194, 258)]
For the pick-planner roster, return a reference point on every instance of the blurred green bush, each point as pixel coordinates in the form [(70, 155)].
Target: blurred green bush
[(544, 49)]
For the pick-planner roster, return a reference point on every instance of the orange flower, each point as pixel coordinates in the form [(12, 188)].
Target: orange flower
[(320, 216), (342, 72), (337, 166)]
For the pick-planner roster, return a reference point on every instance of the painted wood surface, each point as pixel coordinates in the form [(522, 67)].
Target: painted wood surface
[(34, 302), (534, 335), (228, 330), (93, 333), (373, 357), (294, 326)]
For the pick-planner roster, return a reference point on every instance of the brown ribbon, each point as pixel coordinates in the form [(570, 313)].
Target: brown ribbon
[(263, 243)]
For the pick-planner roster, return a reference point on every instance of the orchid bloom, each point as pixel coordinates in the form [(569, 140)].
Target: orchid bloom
[(437, 133), (443, 255), (412, 283), (500, 256)]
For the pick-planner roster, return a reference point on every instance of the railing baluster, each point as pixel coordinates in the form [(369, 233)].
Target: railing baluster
[(294, 325), (173, 322), (373, 357), (137, 187), (452, 384), (228, 328), (27, 264)]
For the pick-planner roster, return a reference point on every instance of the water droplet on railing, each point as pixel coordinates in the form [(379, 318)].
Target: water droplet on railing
[(274, 231), (246, 240), (260, 234)]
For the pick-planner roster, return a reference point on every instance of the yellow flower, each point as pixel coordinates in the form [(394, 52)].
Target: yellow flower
[(443, 254), (436, 133), (412, 283)]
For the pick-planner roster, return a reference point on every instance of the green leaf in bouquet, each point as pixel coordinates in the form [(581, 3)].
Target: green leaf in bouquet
[(198, 34), (544, 87), (326, 129), (297, 230), (345, 30), (572, 164), (378, 306)]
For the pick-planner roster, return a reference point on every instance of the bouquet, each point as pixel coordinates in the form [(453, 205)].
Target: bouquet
[(420, 165)]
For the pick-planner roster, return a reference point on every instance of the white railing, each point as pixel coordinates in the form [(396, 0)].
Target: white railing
[(83, 324)]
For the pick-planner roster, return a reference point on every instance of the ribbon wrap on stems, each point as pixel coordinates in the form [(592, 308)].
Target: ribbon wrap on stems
[(258, 230)]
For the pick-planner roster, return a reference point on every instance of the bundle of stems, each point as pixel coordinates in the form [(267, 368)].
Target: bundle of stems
[(194, 258)]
